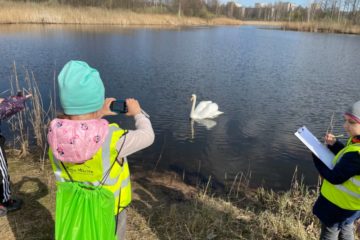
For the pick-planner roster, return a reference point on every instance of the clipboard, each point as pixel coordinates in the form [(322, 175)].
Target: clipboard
[(319, 149)]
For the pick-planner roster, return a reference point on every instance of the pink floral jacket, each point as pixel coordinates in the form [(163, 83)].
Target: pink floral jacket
[(76, 141)]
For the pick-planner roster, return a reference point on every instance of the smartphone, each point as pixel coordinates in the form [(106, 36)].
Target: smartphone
[(119, 106)]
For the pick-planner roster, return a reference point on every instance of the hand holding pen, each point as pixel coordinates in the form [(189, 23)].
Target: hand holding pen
[(330, 138)]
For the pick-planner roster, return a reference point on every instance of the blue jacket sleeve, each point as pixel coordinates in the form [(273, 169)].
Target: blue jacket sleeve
[(347, 167), (336, 147)]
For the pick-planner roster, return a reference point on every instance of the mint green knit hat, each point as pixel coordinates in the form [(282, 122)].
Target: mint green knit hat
[(81, 89)]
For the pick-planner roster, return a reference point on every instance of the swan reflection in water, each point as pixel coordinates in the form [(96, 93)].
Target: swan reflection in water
[(208, 123)]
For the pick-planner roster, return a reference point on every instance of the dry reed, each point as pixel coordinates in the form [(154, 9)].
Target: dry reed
[(34, 115), (160, 211), (17, 122), (327, 27), (40, 13)]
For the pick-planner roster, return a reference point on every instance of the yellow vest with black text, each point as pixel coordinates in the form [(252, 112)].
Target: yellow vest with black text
[(347, 194), (93, 170)]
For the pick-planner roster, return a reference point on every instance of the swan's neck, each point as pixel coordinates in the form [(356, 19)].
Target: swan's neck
[(193, 106)]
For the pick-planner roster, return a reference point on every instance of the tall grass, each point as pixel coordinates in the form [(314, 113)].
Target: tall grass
[(52, 13), (17, 122), (288, 214), (240, 183), (34, 115), (243, 213), (324, 26)]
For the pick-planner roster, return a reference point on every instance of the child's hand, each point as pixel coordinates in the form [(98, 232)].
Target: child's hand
[(133, 107), (105, 111), (330, 139), (1, 100)]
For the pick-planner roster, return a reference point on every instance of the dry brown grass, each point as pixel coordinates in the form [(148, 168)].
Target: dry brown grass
[(165, 208), (36, 188), (321, 26), (327, 27), (30, 124), (24, 13), (263, 23)]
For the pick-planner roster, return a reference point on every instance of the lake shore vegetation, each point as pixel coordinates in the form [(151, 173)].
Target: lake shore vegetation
[(53, 12), (164, 207), (322, 26), (320, 16)]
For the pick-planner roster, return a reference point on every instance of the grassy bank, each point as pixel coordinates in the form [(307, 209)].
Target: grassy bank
[(263, 23), (321, 27), (165, 208), (325, 27), (52, 13), (38, 13)]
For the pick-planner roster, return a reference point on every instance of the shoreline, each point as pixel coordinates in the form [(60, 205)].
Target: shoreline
[(52, 14), (314, 27), (181, 22), (322, 27), (164, 207), (38, 13)]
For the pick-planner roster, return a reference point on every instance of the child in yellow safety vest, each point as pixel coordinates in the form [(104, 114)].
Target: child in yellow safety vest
[(338, 205), (84, 146)]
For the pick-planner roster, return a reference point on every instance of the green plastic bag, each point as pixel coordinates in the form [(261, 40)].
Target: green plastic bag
[(84, 212)]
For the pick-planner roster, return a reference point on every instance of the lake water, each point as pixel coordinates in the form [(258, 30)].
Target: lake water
[(268, 83)]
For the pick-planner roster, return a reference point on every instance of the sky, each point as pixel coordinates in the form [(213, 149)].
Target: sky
[(251, 3)]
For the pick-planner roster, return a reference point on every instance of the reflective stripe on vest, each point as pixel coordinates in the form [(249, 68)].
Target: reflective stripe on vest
[(93, 171), (347, 194)]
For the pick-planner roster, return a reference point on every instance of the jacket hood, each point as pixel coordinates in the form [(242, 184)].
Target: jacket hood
[(76, 141)]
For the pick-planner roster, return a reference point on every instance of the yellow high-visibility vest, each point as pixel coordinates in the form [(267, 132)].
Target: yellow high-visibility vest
[(93, 170), (347, 194)]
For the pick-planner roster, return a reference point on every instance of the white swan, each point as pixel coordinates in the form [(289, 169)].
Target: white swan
[(208, 123), (205, 109)]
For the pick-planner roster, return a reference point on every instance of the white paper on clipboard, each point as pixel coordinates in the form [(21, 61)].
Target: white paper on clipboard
[(321, 151)]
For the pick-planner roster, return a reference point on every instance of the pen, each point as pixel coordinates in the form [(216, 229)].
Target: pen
[(143, 112)]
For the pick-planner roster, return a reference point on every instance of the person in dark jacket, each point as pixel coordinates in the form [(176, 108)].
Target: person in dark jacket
[(8, 107), (338, 205)]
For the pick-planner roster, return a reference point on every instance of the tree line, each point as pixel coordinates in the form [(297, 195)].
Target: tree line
[(335, 10), (342, 11)]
